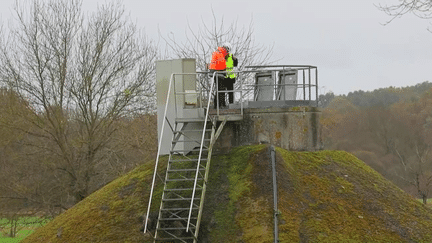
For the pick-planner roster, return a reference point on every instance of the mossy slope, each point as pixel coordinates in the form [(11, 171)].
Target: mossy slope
[(326, 196), (110, 214)]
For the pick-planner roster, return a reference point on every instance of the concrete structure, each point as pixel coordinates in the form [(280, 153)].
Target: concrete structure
[(274, 116), (291, 128)]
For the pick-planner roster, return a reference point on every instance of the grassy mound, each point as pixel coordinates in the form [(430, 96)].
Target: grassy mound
[(326, 196)]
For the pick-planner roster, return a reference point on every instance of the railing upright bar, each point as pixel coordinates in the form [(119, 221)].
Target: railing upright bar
[(241, 95), (199, 156), (316, 87), (175, 96), (304, 87), (158, 153), (200, 93), (310, 83), (217, 93)]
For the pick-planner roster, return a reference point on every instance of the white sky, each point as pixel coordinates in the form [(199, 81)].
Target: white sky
[(345, 39)]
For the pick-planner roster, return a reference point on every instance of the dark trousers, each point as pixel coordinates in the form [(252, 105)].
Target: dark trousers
[(220, 95), (229, 84)]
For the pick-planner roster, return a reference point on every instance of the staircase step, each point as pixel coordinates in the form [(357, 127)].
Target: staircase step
[(199, 187), (187, 120), (176, 219), (185, 179), (179, 199), (187, 160), (179, 209), (190, 141), (179, 228), (183, 131), (173, 239), (188, 150), (184, 170), (181, 189)]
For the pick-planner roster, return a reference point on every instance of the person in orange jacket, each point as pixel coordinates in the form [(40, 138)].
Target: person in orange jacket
[(218, 63)]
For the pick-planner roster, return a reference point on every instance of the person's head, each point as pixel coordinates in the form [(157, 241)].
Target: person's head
[(227, 46), (223, 50)]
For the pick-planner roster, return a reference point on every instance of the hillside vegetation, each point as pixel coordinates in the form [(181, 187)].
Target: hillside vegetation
[(326, 196)]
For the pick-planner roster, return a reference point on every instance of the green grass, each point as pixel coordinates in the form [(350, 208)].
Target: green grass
[(26, 226), (429, 200), (23, 233)]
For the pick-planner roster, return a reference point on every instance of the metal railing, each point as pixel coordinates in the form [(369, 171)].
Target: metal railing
[(247, 88)]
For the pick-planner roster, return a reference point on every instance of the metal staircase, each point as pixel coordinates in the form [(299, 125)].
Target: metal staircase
[(185, 183), (186, 176)]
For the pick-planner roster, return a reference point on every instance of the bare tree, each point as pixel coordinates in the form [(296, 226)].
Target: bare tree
[(420, 8), (411, 144), (201, 43), (416, 171), (80, 75)]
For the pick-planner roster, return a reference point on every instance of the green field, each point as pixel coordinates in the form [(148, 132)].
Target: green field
[(26, 225), (429, 201)]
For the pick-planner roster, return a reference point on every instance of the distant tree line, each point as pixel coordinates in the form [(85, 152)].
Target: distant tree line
[(390, 129), (379, 97)]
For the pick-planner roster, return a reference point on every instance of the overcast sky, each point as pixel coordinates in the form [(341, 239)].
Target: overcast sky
[(344, 39)]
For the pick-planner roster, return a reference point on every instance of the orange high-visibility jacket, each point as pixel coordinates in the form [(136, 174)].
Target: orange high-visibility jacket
[(218, 61)]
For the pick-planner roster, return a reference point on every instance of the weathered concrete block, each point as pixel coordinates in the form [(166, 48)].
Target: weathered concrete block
[(291, 128)]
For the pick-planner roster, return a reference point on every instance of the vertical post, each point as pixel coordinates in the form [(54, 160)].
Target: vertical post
[(316, 87), (241, 93), (175, 95), (304, 85), (310, 83), (217, 93), (275, 198)]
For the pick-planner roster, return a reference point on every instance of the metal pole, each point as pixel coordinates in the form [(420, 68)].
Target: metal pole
[(304, 85), (316, 87), (309, 73), (175, 95), (275, 198), (217, 93)]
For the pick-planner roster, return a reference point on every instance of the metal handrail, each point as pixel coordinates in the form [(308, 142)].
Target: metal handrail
[(158, 153), (200, 154)]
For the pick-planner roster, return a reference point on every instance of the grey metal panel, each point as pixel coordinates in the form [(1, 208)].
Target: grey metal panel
[(163, 75), (287, 88), (189, 82), (264, 86), (164, 69)]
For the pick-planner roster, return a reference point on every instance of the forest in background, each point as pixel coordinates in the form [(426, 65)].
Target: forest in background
[(390, 129), (32, 178)]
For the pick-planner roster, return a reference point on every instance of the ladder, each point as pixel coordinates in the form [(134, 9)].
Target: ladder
[(186, 176)]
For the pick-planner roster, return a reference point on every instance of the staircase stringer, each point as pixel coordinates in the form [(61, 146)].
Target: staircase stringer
[(213, 139)]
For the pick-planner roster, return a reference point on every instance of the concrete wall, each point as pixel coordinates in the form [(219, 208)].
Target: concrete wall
[(293, 128)]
